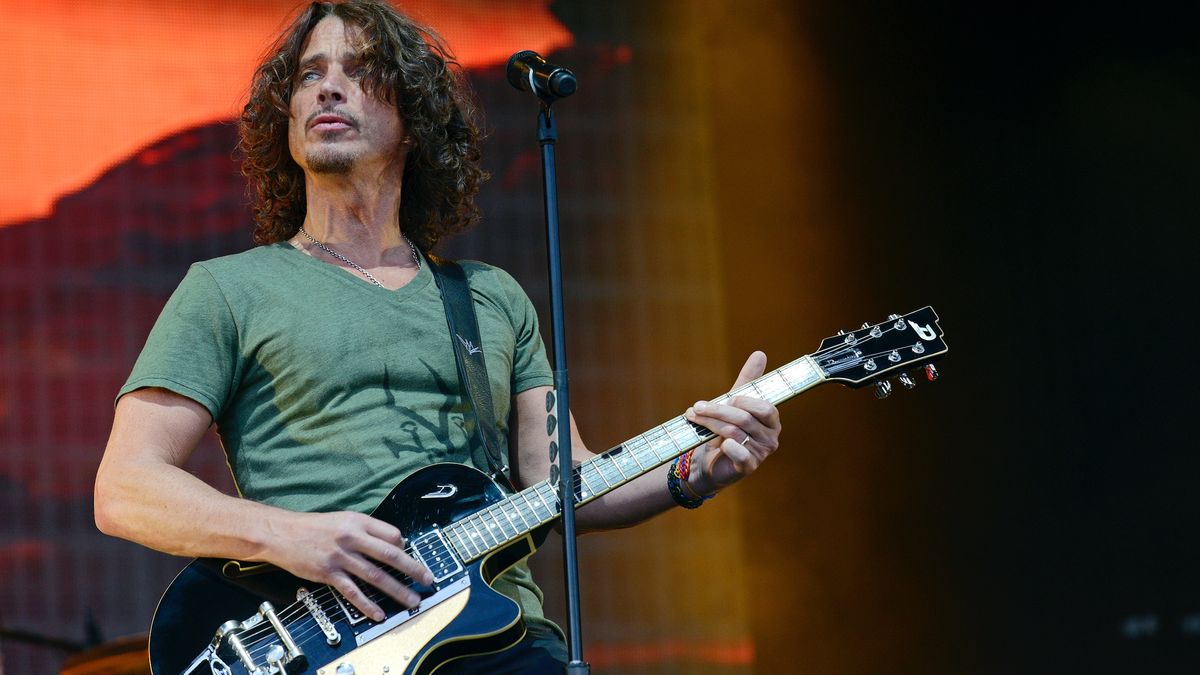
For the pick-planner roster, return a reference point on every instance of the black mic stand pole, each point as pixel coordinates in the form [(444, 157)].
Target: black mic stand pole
[(547, 137)]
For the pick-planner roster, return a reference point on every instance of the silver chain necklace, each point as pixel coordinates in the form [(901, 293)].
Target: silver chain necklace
[(412, 247)]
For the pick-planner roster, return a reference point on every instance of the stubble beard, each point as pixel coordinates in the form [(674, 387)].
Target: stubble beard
[(329, 161)]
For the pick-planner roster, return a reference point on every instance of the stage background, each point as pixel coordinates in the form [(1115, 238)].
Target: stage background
[(734, 176)]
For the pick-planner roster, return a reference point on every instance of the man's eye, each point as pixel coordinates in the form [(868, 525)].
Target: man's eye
[(309, 75)]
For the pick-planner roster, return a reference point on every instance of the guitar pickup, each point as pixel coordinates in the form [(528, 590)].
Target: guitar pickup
[(432, 550)]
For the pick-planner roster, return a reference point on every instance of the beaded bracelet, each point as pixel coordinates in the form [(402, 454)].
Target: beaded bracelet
[(677, 483)]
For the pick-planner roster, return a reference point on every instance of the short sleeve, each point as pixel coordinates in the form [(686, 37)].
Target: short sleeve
[(530, 365), (193, 348)]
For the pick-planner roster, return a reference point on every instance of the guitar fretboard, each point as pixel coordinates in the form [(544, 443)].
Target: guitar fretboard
[(521, 513)]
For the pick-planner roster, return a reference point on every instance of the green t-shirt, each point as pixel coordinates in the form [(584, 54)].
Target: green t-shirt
[(327, 390)]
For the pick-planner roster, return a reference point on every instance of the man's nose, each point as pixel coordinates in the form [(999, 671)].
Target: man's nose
[(333, 89)]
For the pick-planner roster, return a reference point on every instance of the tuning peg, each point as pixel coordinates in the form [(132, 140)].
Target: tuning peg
[(906, 381), (883, 389), (931, 373)]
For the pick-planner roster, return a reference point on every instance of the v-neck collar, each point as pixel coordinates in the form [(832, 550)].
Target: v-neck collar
[(416, 285)]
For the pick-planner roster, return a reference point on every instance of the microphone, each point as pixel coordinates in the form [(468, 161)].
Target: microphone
[(529, 72)]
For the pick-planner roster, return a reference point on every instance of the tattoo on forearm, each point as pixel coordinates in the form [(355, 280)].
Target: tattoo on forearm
[(551, 426)]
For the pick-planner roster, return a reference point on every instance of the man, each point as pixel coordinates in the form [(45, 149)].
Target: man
[(323, 354)]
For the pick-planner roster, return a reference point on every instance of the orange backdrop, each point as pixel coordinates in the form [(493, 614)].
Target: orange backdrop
[(98, 81)]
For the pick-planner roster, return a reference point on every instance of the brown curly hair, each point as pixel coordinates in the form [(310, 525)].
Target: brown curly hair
[(405, 65)]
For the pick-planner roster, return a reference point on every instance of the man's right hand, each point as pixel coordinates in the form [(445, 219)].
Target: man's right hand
[(338, 548), (142, 487)]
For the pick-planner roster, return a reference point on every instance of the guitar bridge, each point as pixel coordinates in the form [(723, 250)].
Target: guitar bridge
[(280, 658)]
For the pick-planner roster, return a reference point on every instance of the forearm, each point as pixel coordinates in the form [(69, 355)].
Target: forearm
[(164, 507), (143, 494), (632, 503), (748, 432)]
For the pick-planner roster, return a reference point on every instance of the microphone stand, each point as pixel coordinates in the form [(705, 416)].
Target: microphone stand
[(547, 137)]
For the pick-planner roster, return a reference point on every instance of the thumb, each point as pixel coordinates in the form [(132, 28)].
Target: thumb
[(755, 366)]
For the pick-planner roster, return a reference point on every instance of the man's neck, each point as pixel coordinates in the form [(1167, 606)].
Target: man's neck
[(358, 216)]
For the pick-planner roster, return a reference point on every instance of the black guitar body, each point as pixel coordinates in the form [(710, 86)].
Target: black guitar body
[(473, 619)]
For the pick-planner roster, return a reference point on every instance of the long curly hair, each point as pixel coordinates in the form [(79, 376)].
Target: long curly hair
[(405, 65)]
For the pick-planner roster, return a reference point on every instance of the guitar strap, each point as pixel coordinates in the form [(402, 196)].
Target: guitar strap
[(468, 355)]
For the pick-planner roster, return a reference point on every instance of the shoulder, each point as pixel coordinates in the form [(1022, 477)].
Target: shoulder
[(492, 285), (491, 281), (246, 262), (485, 274), (235, 281), (259, 268)]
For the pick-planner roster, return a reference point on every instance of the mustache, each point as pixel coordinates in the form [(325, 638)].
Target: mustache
[(331, 111)]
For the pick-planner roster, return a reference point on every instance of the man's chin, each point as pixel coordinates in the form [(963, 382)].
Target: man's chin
[(330, 162)]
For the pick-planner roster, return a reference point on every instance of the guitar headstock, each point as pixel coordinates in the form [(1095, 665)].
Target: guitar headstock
[(875, 352)]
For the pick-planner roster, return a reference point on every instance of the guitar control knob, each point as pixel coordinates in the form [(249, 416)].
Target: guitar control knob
[(906, 381), (931, 373), (345, 669), (883, 389)]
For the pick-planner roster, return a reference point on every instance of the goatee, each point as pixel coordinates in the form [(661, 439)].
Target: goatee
[(330, 162)]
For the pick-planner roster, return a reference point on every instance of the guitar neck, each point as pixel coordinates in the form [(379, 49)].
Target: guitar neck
[(518, 515)]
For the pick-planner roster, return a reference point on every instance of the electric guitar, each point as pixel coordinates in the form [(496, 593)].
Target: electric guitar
[(228, 617)]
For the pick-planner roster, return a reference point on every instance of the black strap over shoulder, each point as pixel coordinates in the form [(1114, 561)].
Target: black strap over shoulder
[(468, 354)]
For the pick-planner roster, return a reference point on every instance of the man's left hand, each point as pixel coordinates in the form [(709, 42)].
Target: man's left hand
[(747, 429)]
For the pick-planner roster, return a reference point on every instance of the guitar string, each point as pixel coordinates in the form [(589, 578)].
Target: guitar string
[(326, 600), (259, 638), (839, 367), (259, 641), (297, 611), (294, 614), (325, 596)]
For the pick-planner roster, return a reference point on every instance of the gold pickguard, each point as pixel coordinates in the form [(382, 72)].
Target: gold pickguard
[(394, 651)]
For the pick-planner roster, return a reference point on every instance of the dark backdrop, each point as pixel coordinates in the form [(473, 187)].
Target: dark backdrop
[(1033, 174)]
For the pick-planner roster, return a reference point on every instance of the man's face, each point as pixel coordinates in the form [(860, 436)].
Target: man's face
[(335, 125)]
